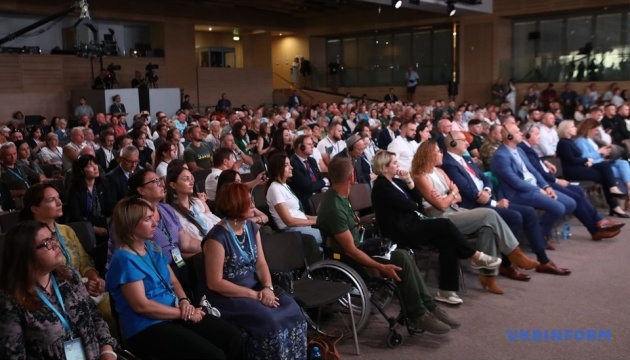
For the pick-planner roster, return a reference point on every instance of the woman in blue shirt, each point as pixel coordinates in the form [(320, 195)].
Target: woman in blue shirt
[(157, 319)]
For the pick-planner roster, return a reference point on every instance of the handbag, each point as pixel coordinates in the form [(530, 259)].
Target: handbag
[(377, 246), (327, 346)]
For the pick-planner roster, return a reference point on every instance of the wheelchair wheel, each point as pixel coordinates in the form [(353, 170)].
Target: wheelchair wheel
[(381, 293), (334, 319), (394, 339)]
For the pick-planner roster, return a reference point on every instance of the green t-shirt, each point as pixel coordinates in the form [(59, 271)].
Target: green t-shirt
[(334, 217), (201, 155)]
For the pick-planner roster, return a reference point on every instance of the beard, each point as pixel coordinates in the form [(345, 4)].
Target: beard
[(409, 138)]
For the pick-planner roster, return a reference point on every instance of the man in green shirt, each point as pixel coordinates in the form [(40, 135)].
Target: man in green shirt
[(336, 221)]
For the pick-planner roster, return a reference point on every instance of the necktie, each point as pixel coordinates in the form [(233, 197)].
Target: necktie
[(468, 168), (310, 171)]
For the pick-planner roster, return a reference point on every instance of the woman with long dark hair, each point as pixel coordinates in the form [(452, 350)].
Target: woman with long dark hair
[(264, 142), (164, 154), (242, 140), (281, 142)]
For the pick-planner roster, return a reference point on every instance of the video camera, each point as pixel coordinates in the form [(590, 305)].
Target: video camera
[(151, 67), (113, 67)]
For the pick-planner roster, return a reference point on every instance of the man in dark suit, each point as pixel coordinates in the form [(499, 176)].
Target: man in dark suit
[(599, 227), (390, 97), (354, 150), (306, 179), (388, 134), (117, 178), (294, 100), (105, 154), (475, 190)]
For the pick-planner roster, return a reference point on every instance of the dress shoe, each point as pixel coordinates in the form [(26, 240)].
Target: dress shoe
[(606, 224), (605, 234), (521, 260), (513, 273), (551, 268), (488, 282), (617, 214), (550, 245), (618, 195)]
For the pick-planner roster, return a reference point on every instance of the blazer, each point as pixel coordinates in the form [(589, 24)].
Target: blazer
[(510, 174), (117, 183), (384, 138), (459, 175), (395, 211), (301, 182), (532, 156), (294, 101), (571, 158), (77, 204)]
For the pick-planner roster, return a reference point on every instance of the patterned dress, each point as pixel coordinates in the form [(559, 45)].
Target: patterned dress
[(40, 334), (272, 333)]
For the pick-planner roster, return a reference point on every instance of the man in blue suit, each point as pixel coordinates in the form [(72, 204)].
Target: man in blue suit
[(599, 227), (475, 190), (388, 134), (522, 184)]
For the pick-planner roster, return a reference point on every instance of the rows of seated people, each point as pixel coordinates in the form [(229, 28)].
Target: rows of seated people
[(138, 187)]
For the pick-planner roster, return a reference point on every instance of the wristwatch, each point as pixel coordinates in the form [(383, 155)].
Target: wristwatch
[(270, 287)]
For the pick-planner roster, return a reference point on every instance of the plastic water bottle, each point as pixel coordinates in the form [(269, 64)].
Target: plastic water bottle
[(566, 231), (315, 354)]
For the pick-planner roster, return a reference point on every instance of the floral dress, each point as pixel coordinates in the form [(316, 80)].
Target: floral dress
[(272, 333)]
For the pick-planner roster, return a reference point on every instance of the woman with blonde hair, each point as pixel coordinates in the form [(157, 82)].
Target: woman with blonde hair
[(441, 196)]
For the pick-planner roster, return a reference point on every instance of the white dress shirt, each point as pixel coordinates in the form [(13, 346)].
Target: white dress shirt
[(404, 150), (548, 141)]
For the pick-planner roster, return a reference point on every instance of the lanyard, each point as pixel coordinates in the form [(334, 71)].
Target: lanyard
[(295, 196), (164, 228), (250, 260), (18, 175), (335, 146), (155, 268), (62, 317), (199, 219), (62, 242), (89, 201), (401, 190)]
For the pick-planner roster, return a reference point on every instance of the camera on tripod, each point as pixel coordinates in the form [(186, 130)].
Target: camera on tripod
[(113, 67), (149, 75)]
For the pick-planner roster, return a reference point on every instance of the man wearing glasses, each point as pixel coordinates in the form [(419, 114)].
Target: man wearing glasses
[(127, 164)]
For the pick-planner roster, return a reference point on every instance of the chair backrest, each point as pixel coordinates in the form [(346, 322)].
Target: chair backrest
[(201, 175), (360, 197), (260, 198), (258, 166), (9, 220), (558, 164), (2, 236), (247, 177), (316, 201), (85, 233), (50, 170), (283, 251)]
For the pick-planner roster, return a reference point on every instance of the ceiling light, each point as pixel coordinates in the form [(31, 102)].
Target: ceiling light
[(209, 29), (397, 3), (235, 35), (450, 8)]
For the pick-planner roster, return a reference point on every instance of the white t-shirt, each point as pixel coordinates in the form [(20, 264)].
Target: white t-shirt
[(327, 146), (160, 170), (279, 194), (317, 156), (198, 210), (404, 150), (211, 183)]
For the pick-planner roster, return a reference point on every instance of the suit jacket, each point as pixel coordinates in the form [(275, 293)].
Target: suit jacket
[(101, 159), (294, 101), (571, 157), (301, 182), (117, 183), (535, 161), (77, 204), (395, 211), (467, 188), (384, 138), (361, 167), (510, 174)]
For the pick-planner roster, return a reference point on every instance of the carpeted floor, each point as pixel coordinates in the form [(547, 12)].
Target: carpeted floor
[(594, 297)]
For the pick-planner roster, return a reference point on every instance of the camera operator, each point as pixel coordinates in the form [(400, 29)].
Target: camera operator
[(101, 82), (138, 82)]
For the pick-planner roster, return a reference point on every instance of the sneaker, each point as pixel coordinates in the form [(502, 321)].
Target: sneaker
[(449, 297), (428, 322), (443, 317), (485, 262)]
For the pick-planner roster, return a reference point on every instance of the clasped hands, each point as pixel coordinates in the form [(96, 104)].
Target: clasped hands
[(268, 298), (190, 313)]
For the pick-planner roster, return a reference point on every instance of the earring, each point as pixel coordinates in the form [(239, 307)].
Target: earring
[(175, 196)]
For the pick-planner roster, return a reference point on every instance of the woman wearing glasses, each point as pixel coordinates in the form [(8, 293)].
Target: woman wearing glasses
[(45, 311), (42, 203), (158, 320)]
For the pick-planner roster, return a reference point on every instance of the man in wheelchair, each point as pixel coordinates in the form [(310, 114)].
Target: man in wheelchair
[(337, 223)]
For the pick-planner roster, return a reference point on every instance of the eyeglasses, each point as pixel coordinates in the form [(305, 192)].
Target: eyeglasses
[(131, 161), (48, 243), (158, 181)]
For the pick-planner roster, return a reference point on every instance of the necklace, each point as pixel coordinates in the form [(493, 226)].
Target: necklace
[(48, 283)]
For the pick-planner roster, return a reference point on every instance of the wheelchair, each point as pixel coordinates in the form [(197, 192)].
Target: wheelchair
[(371, 294)]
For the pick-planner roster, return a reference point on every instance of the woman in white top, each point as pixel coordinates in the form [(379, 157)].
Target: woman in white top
[(51, 153), (191, 208), (164, 154), (286, 210)]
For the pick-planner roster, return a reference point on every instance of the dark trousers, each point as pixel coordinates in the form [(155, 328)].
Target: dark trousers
[(211, 338), (584, 211), (524, 218), (600, 173), (450, 243)]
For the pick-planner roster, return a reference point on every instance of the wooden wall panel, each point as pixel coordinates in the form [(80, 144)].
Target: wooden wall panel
[(242, 86), (531, 7), (10, 74), (41, 73)]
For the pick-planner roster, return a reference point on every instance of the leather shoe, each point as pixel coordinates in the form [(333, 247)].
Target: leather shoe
[(512, 273), (620, 215), (606, 224), (551, 268), (550, 245), (605, 234)]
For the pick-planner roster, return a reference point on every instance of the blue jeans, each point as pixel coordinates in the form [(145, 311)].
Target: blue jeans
[(306, 230)]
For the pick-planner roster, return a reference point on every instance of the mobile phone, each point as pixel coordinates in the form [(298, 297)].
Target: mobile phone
[(300, 132)]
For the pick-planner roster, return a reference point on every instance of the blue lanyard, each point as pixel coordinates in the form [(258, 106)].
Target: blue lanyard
[(250, 260), (62, 243), (18, 174), (199, 219), (90, 201), (155, 268), (163, 226), (61, 316)]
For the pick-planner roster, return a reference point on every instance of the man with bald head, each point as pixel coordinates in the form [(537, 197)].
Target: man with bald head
[(522, 184)]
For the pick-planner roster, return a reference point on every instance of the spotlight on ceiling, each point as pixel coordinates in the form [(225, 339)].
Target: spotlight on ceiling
[(397, 3), (450, 8), (235, 35)]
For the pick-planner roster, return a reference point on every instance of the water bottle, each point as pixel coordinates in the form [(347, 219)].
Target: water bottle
[(315, 354), (566, 234)]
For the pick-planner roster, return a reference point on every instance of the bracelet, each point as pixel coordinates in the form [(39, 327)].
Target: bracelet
[(185, 299), (109, 352)]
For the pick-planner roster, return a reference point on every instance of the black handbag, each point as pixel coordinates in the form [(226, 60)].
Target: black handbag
[(378, 246)]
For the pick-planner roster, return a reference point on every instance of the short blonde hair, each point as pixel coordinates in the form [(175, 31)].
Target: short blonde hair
[(563, 129), (126, 216), (381, 160)]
